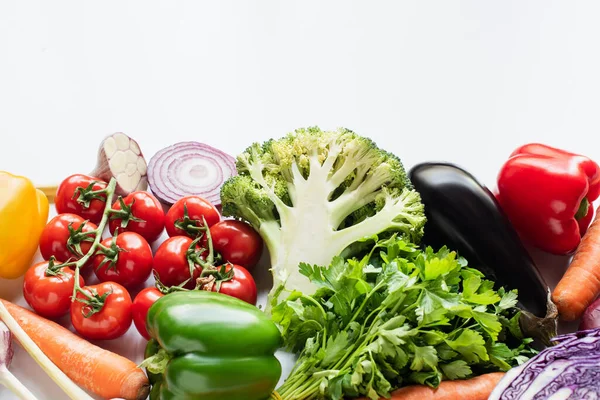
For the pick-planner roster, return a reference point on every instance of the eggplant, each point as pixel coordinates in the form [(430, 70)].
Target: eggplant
[(465, 216)]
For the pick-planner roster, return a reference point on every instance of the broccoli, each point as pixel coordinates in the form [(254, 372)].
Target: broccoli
[(313, 193)]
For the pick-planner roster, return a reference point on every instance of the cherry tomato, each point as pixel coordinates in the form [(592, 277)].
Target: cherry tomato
[(140, 307), (171, 262), (241, 286), (68, 197), (55, 237), (132, 257), (110, 321), (237, 242), (197, 208), (142, 214), (49, 294)]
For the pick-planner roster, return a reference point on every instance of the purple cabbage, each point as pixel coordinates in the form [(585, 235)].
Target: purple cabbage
[(568, 370)]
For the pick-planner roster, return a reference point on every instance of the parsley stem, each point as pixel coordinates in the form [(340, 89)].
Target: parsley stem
[(367, 297), (309, 298), (361, 344), (305, 388), (398, 304)]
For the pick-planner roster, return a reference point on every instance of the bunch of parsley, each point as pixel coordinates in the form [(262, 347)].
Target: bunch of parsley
[(398, 316)]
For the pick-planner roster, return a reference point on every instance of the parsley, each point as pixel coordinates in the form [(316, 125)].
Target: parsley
[(398, 316)]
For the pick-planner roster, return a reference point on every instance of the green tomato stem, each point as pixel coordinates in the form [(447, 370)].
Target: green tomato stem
[(110, 190)]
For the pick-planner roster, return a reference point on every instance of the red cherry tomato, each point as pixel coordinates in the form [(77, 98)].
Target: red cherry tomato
[(142, 214), (54, 238), (140, 307), (241, 286), (109, 322), (133, 264), (197, 208), (68, 197), (237, 242), (49, 294), (171, 262)]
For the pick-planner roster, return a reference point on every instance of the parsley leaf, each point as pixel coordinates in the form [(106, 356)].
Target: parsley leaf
[(397, 316), (424, 357), (456, 369), (470, 345)]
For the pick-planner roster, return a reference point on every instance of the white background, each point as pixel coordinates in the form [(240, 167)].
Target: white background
[(464, 81)]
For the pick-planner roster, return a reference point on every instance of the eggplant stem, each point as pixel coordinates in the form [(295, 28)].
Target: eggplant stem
[(14, 385), (544, 329)]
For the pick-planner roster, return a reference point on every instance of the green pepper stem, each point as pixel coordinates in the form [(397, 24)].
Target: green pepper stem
[(156, 364)]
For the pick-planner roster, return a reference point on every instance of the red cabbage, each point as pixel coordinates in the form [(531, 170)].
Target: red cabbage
[(568, 370)]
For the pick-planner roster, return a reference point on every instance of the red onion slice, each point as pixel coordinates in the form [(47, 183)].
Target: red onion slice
[(189, 168)]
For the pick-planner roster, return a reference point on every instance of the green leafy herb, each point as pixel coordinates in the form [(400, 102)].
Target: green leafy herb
[(396, 317)]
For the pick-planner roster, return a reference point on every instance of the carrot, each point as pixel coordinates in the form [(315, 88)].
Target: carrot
[(478, 388), (580, 285), (100, 371)]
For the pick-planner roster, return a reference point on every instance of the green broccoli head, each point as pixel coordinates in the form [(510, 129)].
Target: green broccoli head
[(284, 162), (313, 193)]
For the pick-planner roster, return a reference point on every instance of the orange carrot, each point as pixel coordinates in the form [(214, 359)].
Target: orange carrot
[(580, 285), (100, 371), (478, 388)]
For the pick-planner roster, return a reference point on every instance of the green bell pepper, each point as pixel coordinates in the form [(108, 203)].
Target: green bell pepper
[(210, 346)]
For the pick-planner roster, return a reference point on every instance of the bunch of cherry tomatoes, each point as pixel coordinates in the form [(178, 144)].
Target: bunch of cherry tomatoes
[(202, 252)]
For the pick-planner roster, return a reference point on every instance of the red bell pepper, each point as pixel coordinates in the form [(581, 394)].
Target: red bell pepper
[(547, 194)]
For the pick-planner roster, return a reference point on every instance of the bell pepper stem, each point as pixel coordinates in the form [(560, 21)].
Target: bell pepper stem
[(583, 209), (156, 364)]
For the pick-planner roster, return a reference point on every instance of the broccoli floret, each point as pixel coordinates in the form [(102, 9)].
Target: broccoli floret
[(313, 193)]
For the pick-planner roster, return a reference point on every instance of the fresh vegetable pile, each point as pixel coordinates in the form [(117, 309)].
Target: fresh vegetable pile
[(385, 284), (202, 254), (397, 316), (313, 194), (199, 255)]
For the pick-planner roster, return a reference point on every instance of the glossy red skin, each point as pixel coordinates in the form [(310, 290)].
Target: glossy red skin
[(237, 242), (134, 263), (242, 286), (53, 240), (49, 296), (145, 207), (171, 264), (66, 198), (109, 323), (540, 189), (140, 307), (197, 207)]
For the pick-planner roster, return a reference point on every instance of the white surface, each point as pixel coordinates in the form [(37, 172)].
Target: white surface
[(465, 81)]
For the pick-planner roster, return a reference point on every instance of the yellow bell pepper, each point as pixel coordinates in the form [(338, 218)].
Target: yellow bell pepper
[(23, 215)]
